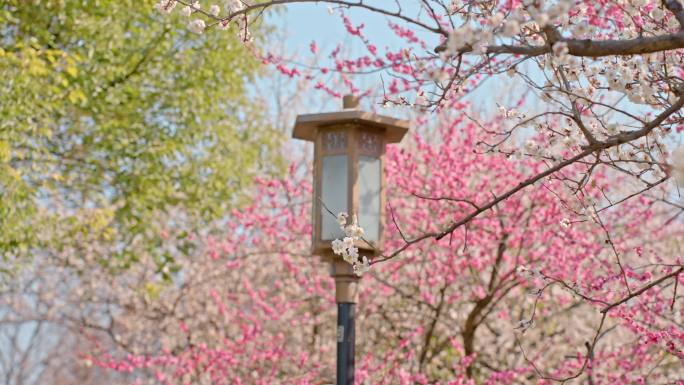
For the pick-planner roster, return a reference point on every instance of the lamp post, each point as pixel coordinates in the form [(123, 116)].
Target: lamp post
[(349, 155)]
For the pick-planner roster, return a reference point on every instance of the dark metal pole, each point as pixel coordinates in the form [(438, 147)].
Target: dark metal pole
[(345, 343)]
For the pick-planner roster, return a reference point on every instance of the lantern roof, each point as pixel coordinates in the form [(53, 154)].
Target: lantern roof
[(307, 125)]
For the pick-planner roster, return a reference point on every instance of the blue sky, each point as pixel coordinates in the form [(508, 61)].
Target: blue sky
[(306, 22), (303, 23)]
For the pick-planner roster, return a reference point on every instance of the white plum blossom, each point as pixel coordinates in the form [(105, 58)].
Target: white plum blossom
[(512, 113), (541, 18), (189, 9), (657, 13), (348, 242), (496, 19), (233, 6), (459, 38), (214, 10), (346, 248), (338, 247), (353, 230), (560, 48), (511, 28), (362, 266), (342, 219), (166, 6), (565, 223), (570, 140), (352, 255), (532, 147), (197, 26), (581, 29)]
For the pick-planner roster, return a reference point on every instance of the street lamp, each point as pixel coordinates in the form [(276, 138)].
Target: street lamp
[(349, 155)]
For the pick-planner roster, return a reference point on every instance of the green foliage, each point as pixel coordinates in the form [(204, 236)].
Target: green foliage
[(111, 114)]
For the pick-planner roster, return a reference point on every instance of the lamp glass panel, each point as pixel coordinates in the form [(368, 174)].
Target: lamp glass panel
[(369, 196), (334, 187)]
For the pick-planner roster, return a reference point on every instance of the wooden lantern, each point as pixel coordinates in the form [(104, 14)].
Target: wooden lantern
[(349, 156)]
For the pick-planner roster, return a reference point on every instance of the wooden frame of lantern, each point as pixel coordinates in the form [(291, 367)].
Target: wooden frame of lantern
[(349, 156)]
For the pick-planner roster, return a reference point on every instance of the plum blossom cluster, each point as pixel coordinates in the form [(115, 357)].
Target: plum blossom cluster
[(345, 247), (213, 14), (478, 38), (510, 255)]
